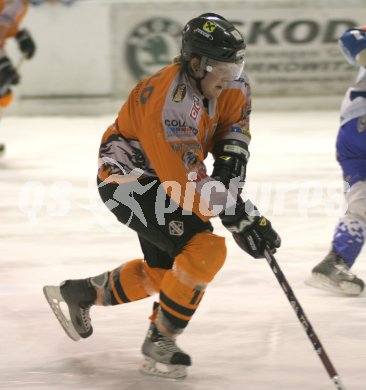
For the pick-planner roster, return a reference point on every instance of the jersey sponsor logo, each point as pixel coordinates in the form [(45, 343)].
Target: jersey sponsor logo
[(195, 110), (179, 93), (175, 123), (186, 133), (176, 228), (240, 129), (151, 45), (183, 147), (237, 129)]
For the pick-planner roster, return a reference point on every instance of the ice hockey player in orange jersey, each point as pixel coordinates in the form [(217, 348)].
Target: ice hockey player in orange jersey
[(153, 178), (11, 14)]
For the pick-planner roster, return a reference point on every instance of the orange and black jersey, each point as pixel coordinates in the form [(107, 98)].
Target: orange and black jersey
[(166, 130), (11, 14)]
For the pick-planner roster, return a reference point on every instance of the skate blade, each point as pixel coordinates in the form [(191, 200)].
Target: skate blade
[(350, 288), (54, 297), (322, 282), (150, 366)]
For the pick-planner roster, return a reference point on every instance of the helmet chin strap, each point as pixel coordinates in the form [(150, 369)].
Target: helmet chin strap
[(197, 79)]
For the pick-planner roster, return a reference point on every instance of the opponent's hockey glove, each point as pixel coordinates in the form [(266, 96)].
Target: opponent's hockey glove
[(8, 75), (25, 43), (251, 231)]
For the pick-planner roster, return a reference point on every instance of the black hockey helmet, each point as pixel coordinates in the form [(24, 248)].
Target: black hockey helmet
[(212, 36)]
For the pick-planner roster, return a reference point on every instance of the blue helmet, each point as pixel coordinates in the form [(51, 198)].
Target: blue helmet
[(352, 42)]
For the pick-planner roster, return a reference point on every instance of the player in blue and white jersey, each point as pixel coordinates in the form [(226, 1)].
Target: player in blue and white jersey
[(349, 237)]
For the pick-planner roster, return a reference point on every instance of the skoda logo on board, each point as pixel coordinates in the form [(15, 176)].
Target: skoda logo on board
[(152, 45)]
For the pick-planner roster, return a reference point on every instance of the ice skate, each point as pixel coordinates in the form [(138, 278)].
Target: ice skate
[(333, 274), (79, 296), (162, 357)]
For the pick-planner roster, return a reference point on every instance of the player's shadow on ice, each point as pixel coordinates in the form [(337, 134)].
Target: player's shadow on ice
[(112, 371)]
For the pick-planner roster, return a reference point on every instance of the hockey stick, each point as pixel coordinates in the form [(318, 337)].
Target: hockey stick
[(20, 61), (303, 319)]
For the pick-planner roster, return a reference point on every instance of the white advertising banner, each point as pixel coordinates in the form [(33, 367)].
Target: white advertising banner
[(292, 50), (93, 52)]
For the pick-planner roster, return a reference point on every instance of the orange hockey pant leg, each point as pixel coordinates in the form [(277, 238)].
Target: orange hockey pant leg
[(130, 282), (183, 286)]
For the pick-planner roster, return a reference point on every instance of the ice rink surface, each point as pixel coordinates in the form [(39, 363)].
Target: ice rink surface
[(245, 334)]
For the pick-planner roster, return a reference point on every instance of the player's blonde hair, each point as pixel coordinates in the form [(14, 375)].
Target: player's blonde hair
[(178, 60)]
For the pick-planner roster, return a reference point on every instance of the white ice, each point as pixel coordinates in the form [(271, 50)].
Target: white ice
[(245, 334)]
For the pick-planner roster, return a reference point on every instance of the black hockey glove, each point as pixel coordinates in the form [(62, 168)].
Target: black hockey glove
[(251, 231), (8, 75), (25, 43), (231, 157)]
